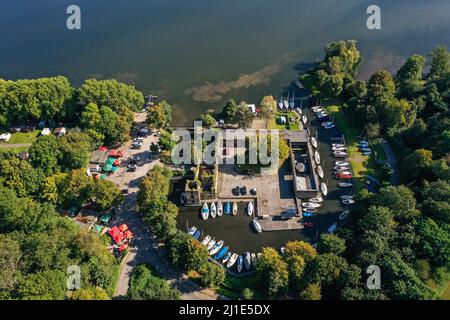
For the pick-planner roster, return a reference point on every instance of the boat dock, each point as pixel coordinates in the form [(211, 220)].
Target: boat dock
[(274, 224)]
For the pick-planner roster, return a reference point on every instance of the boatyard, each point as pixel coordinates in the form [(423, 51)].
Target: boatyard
[(308, 195)]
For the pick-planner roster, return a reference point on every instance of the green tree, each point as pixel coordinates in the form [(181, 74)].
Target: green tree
[(106, 195), (90, 294), (434, 242), (331, 243), (229, 110), (212, 275), (268, 107), (111, 93), (20, 176), (409, 76), (10, 260), (160, 115), (243, 116), (311, 292), (75, 149), (146, 286), (440, 64), (46, 154), (273, 272), (45, 285)]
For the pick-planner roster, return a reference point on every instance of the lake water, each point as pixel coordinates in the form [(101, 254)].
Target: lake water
[(199, 53)]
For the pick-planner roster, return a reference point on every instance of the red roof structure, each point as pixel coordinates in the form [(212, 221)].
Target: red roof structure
[(115, 154), (128, 234), (103, 149), (123, 227)]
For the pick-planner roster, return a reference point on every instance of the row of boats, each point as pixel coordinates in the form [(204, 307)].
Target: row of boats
[(218, 210), (323, 117), (221, 254)]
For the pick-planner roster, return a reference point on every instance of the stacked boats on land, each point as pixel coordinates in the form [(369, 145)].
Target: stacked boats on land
[(221, 253), (218, 210)]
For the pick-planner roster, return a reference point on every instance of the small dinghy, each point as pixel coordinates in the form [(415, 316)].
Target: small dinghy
[(345, 184), (347, 196), (216, 248), (183, 198), (344, 215), (314, 142), (257, 226), (206, 240), (221, 253), (337, 145), (254, 260), (232, 260), (197, 234), (250, 208), (330, 126), (316, 199), (332, 228), (309, 214), (211, 244), (320, 172), (283, 251), (299, 111), (205, 211), (310, 210), (326, 123), (259, 256), (247, 260), (219, 209), (342, 172), (348, 201), (192, 231), (317, 157), (310, 205), (240, 262), (227, 208), (324, 189), (341, 168), (213, 210), (338, 149), (235, 208), (342, 163), (226, 258), (304, 119)]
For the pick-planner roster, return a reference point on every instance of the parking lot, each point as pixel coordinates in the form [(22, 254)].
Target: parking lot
[(274, 192), (127, 179)]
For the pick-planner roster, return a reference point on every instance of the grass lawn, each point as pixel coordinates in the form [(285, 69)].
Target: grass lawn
[(24, 137), (13, 151), (275, 123), (233, 286)]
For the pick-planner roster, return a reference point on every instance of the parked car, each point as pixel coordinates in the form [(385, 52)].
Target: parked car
[(132, 168), (135, 160), (136, 145), (253, 191), (243, 190)]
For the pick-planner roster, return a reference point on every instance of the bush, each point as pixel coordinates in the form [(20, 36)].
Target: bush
[(248, 294), (212, 275)]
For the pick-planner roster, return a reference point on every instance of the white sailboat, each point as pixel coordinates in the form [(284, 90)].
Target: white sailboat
[(324, 189), (219, 209), (250, 208), (257, 226), (292, 102), (213, 210), (317, 157), (320, 172), (314, 142)]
